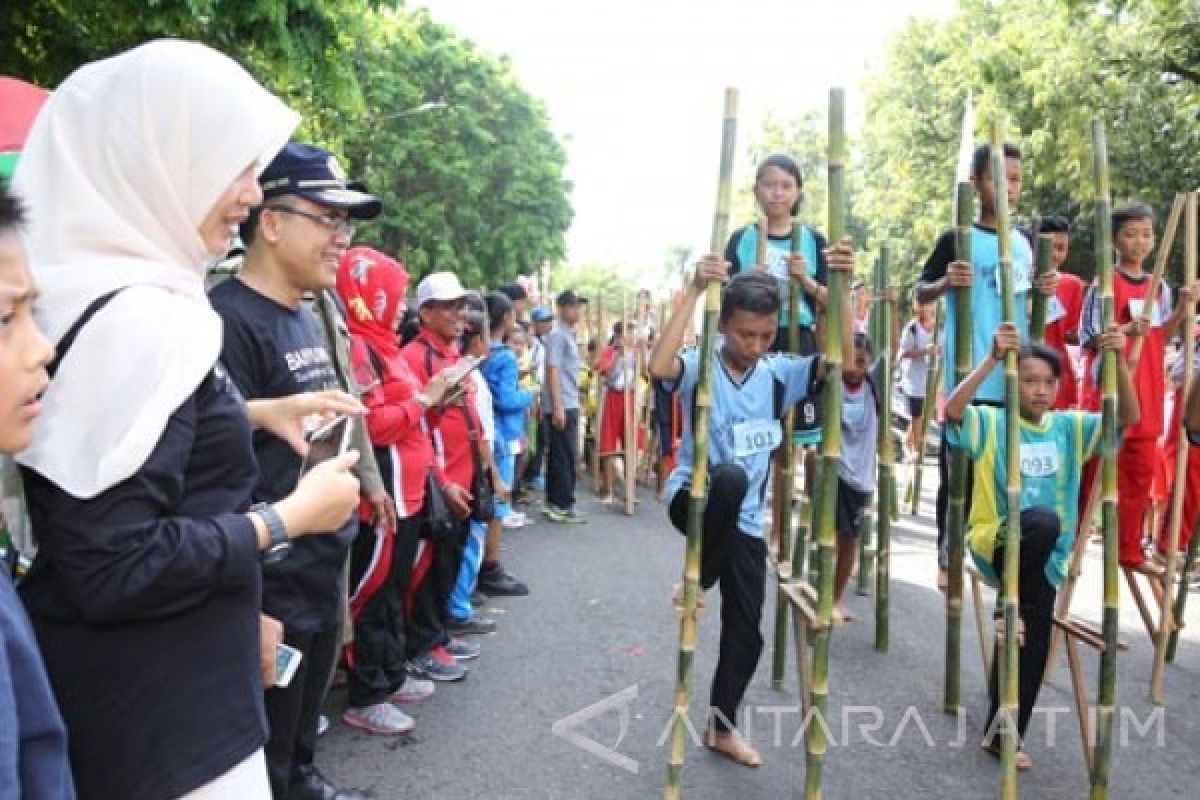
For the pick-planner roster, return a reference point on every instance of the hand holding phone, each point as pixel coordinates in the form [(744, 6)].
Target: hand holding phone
[(287, 661)]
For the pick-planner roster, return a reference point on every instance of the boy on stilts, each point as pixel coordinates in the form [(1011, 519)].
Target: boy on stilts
[(751, 389), (1054, 446), (944, 270), (1139, 454)]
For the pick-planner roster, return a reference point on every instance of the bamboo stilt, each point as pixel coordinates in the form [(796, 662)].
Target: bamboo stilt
[(816, 745), (785, 488), (1102, 751), (1167, 621), (672, 788), (1037, 318), (887, 457), (598, 390), (1189, 562), (1009, 677), (933, 379), (956, 506)]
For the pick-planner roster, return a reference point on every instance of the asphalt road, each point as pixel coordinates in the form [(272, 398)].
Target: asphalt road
[(599, 629)]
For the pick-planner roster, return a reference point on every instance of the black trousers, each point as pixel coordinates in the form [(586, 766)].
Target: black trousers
[(739, 563), (562, 451), (430, 608), (292, 712), (376, 666), (1039, 533)]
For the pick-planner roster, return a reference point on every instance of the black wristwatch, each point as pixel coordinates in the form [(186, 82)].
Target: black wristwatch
[(280, 545)]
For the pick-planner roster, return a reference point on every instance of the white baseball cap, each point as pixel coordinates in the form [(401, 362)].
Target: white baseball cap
[(439, 286)]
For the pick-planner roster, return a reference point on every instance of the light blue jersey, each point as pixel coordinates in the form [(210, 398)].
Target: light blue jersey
[(744, 423), (778, 251), (987, 306)]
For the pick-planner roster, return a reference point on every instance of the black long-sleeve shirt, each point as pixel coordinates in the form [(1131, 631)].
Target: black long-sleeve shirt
[(145, 601)]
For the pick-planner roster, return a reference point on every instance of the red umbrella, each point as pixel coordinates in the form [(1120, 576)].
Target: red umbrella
[(19, 104)]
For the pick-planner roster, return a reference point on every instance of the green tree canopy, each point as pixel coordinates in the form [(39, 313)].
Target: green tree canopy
[(1050, 66), (475, 185)]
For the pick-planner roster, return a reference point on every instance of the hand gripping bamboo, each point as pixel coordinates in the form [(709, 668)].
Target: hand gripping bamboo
[(672, 789)]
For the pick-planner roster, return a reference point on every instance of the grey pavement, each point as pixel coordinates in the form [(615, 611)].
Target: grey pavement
[(599, 629)]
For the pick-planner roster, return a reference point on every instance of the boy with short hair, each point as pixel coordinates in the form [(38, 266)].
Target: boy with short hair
[(33, 740), (945, 271), (1133, 240), (1054, 445), (917, 352), (750, 389), (1063, 310)]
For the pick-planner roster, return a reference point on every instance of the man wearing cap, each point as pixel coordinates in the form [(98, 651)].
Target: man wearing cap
[(560, 411), (456, 428), (273, 347)]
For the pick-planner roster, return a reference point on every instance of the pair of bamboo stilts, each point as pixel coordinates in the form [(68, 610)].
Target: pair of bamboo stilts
[(816, 745)]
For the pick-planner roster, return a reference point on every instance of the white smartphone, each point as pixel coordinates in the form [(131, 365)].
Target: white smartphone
[(328, 441), (287, 661)]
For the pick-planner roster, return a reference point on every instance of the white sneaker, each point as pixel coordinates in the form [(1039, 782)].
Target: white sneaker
[(516, 519), (413, 690), (383, 719)]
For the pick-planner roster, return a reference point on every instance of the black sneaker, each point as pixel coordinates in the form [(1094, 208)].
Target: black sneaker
[(494, 581), (478, 599), (474, 625)]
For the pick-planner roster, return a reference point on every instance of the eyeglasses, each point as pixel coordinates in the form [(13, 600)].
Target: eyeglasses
[(339, 226)]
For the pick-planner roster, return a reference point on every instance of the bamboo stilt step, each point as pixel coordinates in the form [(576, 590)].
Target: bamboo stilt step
[(1086, 632), (803, 600)]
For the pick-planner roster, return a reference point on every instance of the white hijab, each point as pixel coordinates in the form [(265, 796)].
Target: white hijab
[(120, 169)]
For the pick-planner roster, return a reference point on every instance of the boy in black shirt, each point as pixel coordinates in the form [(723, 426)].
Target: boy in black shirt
[(273, 347)]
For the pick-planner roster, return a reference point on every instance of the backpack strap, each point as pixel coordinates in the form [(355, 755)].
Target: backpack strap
[(68, 339)]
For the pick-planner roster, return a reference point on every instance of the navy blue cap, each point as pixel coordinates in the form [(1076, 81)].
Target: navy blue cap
[(310, 172)]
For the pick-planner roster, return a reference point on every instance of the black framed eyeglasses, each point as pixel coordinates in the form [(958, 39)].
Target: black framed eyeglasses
[(336, 225)]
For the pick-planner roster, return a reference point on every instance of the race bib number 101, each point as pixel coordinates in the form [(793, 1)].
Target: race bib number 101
[(756, 436)]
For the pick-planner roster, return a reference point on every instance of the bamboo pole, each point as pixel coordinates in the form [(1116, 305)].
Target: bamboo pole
[(1167, 621), (641, 399), (887, 457), (1037, 318), (785, 489), (1009, 678), (957, 500), (933, 379), (831, 452), (629, 435), (598, 391), (1101, 756), (1189, 562), (672, 789)]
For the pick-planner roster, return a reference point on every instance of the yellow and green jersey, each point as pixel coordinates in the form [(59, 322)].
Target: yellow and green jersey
[(1051, 458)]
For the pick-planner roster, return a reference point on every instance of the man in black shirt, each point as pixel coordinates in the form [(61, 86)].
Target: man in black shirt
[(273, 347)]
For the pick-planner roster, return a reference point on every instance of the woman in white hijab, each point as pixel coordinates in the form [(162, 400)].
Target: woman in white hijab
[(145, 590)]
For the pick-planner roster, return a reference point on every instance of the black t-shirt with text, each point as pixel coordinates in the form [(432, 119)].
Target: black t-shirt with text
[(271, 350)]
